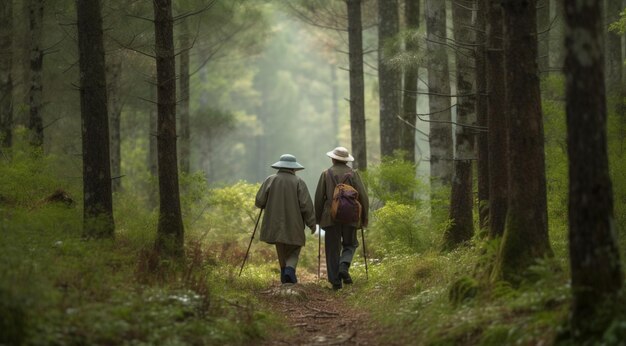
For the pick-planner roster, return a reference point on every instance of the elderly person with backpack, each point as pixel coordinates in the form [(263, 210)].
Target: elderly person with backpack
[(341, 207), (288, 208)]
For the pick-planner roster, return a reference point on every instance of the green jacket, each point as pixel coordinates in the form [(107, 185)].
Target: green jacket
[(288, 207), (324, 195)]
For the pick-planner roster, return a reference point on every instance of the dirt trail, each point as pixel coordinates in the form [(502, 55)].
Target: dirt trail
[(318, 315)]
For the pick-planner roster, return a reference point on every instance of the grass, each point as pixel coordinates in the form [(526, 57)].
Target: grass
[(58, 289), (411, 297)]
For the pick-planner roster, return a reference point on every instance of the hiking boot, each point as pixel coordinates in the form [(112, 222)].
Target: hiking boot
[(344, 275), (290, 275), (283, 279), (337, 287)]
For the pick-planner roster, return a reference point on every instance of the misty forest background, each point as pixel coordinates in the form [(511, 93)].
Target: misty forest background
[(135, 134)]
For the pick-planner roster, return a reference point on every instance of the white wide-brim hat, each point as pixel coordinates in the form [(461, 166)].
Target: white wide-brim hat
[(341, 154), (288, 161)]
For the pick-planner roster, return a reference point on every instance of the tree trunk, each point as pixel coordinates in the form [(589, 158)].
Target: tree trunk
[(6, 81), (441, 150), (557, 35), (615, 90), (97, 194), (388, 78), (357, 86), (481, 115), (613, 54), (22, 87), (35, 98), (185, 46), (170, 232), (152, 144), (526, 232), (543, 34), (462, 227), (594, 257), (114, 69), (409, 101), (335, 110), (497, 118), (152, 162)]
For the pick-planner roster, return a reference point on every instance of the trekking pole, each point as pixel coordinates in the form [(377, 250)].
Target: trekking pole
[(364, 255), (319, 251), (251, 238)]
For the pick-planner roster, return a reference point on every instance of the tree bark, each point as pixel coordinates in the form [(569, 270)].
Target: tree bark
[(114, 69), (481, 115), (462, 227), (97, 193), (185, 46), (6, 80), (22, 87), (357, 86), (526, 232), (152, 142), (388, 78), (497, 118), (170, 231), (441, 150), (35, 98), (335, 110), (557, 35), (613, 54), (615, 90), (594, 257), (409, 101), (543, 34)]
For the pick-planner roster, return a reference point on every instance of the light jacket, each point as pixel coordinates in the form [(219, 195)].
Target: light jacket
[(324, 195), (288, 207)]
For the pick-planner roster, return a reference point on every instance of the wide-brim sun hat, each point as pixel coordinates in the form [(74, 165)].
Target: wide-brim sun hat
[(288, 161), (341, 154)]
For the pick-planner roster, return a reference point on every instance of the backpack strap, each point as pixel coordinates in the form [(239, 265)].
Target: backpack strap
[(332, 176), (345, 177)]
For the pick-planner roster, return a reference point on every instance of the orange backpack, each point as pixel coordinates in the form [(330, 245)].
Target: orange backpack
[(345, 207)]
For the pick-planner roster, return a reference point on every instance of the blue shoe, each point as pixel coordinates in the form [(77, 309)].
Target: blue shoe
[(290, 275), (283, 278)]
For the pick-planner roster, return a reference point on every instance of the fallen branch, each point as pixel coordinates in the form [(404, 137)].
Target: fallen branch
[(321, 311)]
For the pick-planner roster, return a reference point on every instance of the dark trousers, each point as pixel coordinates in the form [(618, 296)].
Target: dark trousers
[(341, 243), (288, 255)]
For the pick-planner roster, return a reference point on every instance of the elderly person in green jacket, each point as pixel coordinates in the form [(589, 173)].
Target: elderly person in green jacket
[(288, 208), (340, 238)]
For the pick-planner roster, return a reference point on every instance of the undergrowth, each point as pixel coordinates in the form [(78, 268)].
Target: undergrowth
[(57, 288), (428, 297)]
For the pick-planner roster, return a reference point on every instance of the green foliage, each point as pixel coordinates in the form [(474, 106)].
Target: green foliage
[(27, 176), (232, 211), (406, 59), (57, 288), (555, 133), (402, 228), (12, 317), (419, 289), (462, 290), (620, 25), (400, 222), (617, 166), (394, 180)]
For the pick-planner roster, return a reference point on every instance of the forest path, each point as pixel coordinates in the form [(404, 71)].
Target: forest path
[(317, 315)]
